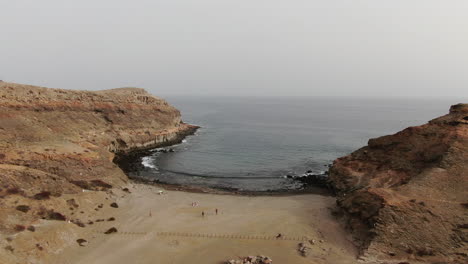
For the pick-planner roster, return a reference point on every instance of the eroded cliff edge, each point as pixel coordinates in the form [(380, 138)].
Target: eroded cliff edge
[(405, 196), (55, 142)]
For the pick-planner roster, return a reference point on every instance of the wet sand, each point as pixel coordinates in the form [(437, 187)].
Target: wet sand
[(154, 228)]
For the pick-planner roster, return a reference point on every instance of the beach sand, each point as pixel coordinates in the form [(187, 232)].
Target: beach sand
[(166, 228)]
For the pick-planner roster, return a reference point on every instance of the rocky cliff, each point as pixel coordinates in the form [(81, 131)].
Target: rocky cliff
[(405, 196), (55, 142)]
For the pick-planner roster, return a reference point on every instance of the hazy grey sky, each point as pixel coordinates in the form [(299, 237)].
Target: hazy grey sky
[(239, 47)]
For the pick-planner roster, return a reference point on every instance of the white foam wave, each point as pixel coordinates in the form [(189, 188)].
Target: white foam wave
[(148, 162)]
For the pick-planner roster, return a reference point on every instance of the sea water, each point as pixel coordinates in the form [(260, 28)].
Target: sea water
[(253, 143)]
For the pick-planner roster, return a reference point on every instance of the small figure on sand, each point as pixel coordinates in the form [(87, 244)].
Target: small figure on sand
[(279, 236), (216, 210), (150, 213), (203, 213)]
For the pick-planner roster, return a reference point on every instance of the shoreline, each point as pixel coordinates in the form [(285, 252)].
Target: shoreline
[(167, 228), (219, 191), (127, 160)]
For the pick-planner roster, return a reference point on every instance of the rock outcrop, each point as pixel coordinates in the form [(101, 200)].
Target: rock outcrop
[(405, 196), (55, 142)]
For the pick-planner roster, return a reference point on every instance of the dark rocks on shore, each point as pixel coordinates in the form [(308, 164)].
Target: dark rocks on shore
[(311, 178), (114, 205), (164, 150), (315, 179)]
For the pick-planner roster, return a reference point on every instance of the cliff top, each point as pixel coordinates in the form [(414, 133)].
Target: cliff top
[(459, 108), (22, 92)]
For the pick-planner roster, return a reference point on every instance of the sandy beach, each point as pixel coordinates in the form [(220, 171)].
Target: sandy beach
[(166, 228)]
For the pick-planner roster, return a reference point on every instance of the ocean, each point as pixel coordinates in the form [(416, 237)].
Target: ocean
[(253, 143)]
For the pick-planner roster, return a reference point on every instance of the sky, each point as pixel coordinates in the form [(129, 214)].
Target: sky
[(377, 48)]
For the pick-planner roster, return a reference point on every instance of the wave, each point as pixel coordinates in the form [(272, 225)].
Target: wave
[(148, 162)]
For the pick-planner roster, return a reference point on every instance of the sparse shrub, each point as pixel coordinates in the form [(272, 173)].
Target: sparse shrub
[(82, 242), (13, 190), (56, 216), (42, 195), (19, 228), (73, 203), (78, 223), (50, 214), (425, 252), (102, 184), (111, 230), (82, 184), (23, 208), (10, 248)]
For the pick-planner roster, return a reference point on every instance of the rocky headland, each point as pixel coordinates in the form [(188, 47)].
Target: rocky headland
[(55, 143), (405, 196), (60, 141)]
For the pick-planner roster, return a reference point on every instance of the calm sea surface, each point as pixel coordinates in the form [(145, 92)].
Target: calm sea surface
[(252, 143)]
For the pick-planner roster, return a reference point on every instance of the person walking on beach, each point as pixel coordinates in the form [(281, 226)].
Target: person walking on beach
[(203, 213), (216, 210)]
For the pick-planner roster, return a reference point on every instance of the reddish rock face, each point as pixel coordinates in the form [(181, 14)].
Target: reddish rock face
[(63, 136), (54, 141), (403, 194)]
